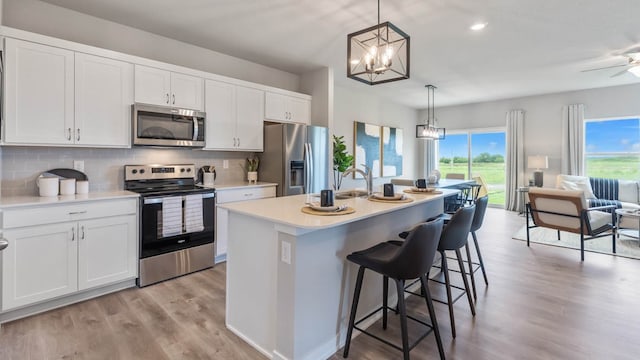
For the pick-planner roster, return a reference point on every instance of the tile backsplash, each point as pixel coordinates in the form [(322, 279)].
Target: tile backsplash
[(21, 166)]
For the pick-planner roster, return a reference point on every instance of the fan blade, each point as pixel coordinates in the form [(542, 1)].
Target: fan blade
[(606, 67), (620, 73)]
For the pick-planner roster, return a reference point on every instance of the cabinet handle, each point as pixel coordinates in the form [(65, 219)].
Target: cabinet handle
[(3, 243), (238, 142), (73, 234), (69, 134), (249, 194), (167, 101), (82, 235), (78, 212), (174, 98), (78, 136), (234, 142)]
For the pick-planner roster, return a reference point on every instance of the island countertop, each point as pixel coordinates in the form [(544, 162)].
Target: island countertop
[(287, 210)]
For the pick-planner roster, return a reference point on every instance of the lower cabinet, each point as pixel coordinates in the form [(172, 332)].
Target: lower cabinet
[(46, 261), (224, 196)]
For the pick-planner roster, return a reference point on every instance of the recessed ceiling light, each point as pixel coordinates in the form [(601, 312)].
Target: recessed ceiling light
[(478, 26)]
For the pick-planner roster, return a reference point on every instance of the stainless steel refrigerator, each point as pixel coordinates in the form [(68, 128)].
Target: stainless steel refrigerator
[(296, 157)]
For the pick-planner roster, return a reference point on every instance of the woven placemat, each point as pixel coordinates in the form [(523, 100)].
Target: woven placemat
[(406, 200), (308, 210), (410, 191)]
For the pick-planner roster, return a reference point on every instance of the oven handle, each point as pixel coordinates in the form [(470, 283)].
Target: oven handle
[(157, 200)]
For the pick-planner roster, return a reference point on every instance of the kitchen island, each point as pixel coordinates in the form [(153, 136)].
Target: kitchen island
[(289, 286)]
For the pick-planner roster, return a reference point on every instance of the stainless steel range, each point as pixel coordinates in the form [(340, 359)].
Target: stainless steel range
[(176, 221)]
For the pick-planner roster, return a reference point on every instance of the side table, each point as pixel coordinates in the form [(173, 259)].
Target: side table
[(630, 232), (523, 190)]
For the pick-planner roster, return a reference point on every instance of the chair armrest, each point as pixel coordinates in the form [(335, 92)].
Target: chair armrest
[(599, 208)]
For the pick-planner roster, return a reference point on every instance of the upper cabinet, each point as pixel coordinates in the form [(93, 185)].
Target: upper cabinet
[(234, 117), (103, 98), (38, 94), (58, 97), (162, 87), (285, 108)]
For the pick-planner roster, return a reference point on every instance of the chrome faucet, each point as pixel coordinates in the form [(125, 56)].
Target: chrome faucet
[(366, 174)]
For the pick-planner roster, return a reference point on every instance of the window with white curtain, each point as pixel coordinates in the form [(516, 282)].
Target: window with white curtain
[(612, 148)]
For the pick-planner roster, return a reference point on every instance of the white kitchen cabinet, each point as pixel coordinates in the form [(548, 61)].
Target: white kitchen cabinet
[(224, 196), (57, 250), (106, 251), (58, 97), (103, 98), (39, 97), (40, 263), (285, 108), (162, 87), (234, 117)]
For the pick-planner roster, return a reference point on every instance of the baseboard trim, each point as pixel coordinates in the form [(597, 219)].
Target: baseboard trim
[(244, 338)]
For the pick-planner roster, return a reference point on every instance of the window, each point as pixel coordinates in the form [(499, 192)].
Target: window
[(486, 149), (612, 148)]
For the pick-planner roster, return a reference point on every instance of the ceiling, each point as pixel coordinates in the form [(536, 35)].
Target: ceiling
[(529, 47)]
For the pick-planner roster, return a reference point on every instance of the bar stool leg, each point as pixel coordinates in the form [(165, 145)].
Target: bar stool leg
[(354, 308), (385, 295), (475, 242), (432, 315), (473, 279), (466, 283), (447, 283), (403, 319)]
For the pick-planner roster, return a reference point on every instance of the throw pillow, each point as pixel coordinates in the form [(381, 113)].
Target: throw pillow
[(573, 182)]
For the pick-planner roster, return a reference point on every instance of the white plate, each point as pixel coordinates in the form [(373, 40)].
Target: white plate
[(317, 207), (382, 197)]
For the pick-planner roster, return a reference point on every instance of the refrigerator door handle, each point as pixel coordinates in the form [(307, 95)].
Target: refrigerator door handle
[(310, 172), (306, 168)]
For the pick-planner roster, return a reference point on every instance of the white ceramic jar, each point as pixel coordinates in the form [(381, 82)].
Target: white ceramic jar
[(67, 186)]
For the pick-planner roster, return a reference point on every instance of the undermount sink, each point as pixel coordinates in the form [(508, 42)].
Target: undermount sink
[(348, 194)]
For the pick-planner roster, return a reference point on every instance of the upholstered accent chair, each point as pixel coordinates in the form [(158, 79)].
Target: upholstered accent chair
[(568, 210)]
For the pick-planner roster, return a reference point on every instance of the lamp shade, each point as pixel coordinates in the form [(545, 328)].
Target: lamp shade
[(537, 162)]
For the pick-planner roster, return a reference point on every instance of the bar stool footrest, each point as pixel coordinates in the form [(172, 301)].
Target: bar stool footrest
[(411, 346)]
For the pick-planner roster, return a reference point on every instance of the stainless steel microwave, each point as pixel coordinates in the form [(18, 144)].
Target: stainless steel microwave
[(166, 126)]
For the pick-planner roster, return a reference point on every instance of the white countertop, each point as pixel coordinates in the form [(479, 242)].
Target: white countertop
[(17, 201), (237, 185), (287, 210)]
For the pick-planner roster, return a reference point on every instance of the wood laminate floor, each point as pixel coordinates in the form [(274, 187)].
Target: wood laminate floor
[(541, 303)]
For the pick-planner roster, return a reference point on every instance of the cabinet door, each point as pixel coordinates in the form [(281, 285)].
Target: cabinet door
[(107, 251), (40, 264), (300, 110), (186, 91), (276, 107), (220, 107), (152, 86), (38, 94), (250, 117), (104, 94)]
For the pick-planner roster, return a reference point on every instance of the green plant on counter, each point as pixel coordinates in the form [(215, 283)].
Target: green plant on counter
[(252, 163), (341, 160)]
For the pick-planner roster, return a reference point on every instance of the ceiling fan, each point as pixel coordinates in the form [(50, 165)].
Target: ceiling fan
[(632, 65)]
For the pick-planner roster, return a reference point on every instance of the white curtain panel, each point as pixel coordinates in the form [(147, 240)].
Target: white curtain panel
[(515, 159), (431, 161), (573, 139)]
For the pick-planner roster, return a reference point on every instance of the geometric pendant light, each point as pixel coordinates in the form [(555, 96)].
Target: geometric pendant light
[(378, 54), (429, 130)]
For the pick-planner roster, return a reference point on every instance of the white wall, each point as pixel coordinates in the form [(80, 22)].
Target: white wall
[(43, 18), (350, 106), (543, 115)]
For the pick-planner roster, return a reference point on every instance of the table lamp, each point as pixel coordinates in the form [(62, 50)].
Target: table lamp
[(537, 162)]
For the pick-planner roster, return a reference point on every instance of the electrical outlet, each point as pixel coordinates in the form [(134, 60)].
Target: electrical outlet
[(225, 164), (78, 165), (286, 252)]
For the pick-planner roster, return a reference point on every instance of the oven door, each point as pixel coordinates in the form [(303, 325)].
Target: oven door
[(164, 126), (153, 242)]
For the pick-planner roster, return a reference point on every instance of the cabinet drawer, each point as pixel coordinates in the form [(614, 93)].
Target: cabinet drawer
[(225, 196), (50, 214)]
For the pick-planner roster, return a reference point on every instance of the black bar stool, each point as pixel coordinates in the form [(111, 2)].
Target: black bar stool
[(411, 260), (454, 237)]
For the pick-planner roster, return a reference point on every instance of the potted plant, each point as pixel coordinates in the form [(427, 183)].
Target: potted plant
[(252, 168), (341, 160)]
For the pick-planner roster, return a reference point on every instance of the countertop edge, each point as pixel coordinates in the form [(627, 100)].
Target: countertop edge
[(10, 202)]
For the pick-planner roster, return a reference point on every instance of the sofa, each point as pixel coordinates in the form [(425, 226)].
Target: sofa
[(624, 194)]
